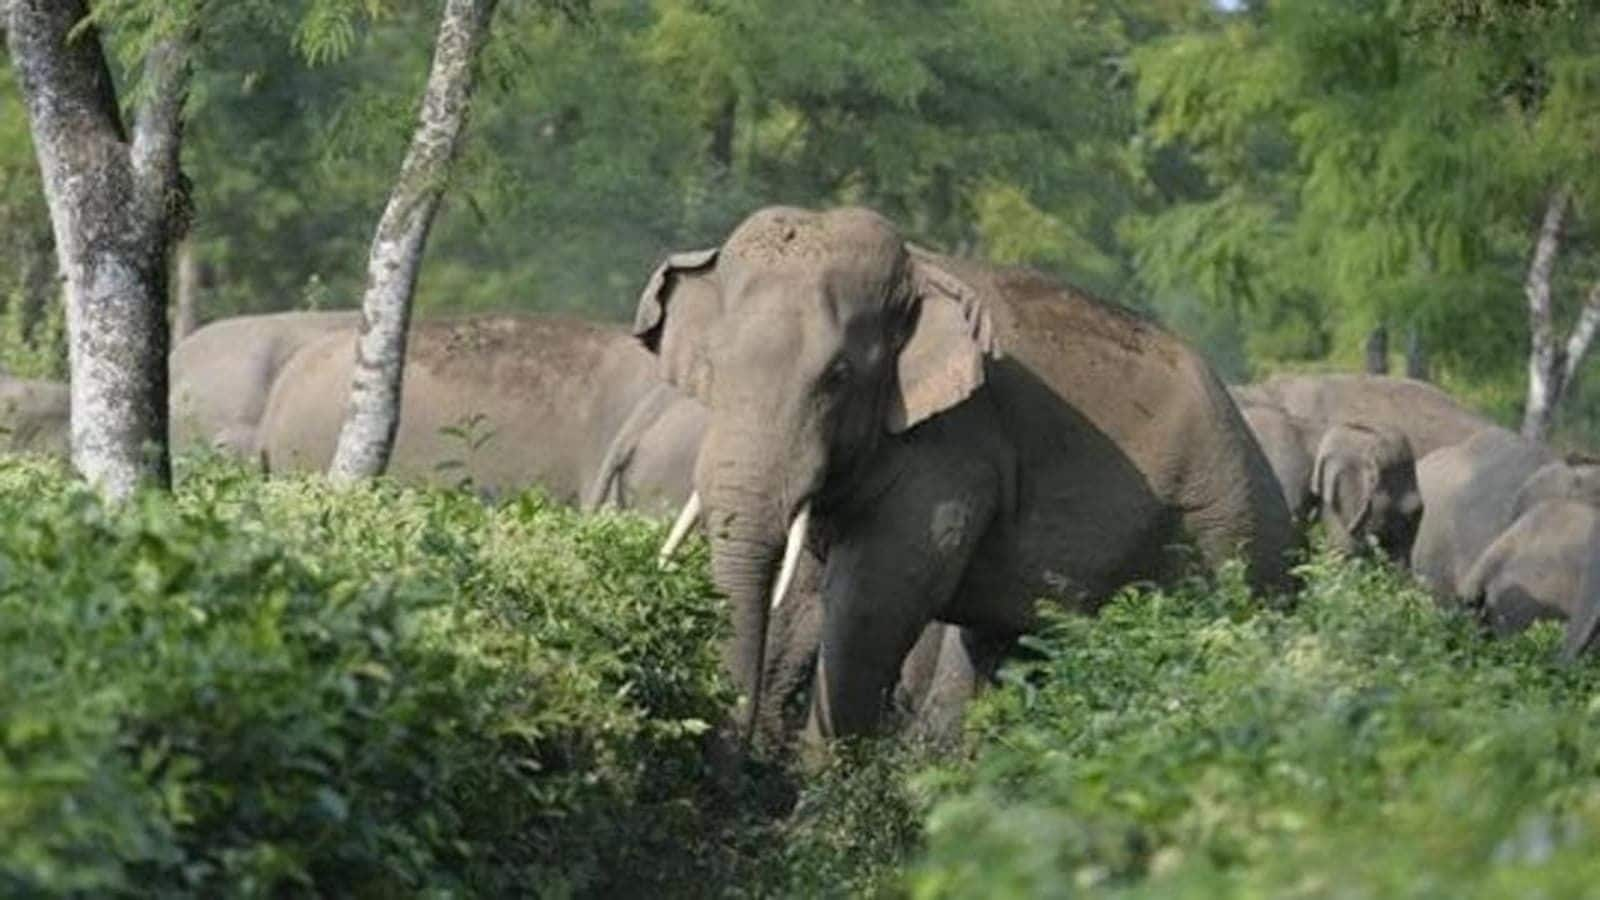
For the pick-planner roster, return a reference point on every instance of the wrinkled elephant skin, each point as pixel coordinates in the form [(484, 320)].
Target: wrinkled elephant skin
[(962, 439), (507, 401), (1546, 565), (1469, 495), (1427, 416), (222, 373), (1365, 483), (1290, 446)]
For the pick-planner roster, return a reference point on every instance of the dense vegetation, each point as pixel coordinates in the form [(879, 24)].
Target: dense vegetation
[(258, 688)]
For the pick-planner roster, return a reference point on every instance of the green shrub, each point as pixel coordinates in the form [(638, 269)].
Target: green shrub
[(258, 688), (1363, 744), (273, 688)]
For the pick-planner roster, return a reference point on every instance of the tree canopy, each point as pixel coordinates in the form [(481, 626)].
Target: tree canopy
[(1273, 180)]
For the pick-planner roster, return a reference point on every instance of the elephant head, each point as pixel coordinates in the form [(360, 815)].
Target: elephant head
[(1365, 481), (1574, 479), (811, 338)]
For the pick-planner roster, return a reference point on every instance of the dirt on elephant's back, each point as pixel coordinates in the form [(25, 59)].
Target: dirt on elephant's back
[(1043, 319), (511, 348)]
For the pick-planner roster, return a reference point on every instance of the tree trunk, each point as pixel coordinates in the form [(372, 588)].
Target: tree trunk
[(1580, 340), (114, 205), (367, 437), (1545, 367), (1416, 357), (722, 136), (1378, 351), (185, 313)]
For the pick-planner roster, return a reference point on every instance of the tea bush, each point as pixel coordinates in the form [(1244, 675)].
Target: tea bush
[(1188, 744), (256, 688), (266, 688)]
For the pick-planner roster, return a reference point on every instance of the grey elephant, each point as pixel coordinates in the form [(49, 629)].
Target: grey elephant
[(1469, 495), (222, 373), (35, 416), (959, 439), (1365, 483), (1546, 565), (648, 464), (1290, 445), (509, 401), (1426, 415)]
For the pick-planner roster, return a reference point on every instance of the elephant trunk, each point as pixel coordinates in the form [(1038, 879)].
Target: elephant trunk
[(756, 529), (743, 560)]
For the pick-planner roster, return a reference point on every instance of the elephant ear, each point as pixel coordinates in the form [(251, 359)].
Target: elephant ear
[(683, 290), (942, 360), (1345, 488)]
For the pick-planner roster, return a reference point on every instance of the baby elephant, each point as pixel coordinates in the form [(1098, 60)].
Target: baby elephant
[(1365, 482), (1546, 564)]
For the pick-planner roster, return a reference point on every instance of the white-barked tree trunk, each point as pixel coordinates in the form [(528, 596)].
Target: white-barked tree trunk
[(1552, 363), (116, 203), (367, 437)]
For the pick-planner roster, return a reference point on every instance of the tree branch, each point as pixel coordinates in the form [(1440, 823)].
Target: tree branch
[(158, 131), (1536, 287), (1544, 368), (1583, 333)]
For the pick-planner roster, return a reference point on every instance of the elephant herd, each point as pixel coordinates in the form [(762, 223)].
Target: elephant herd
[(895, 454), (1490, 522)]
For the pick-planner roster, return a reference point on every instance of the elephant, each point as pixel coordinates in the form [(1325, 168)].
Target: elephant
[(1290, 446), (1469, 495), (1365, 482), (1546, 565), (507, 401), (657, 445), (649, 462), (1576, 477), (35, 416), (222, 373), (1426, 415), (957, 439)]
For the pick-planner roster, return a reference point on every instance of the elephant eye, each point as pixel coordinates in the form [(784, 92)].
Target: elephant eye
[(837, 374)]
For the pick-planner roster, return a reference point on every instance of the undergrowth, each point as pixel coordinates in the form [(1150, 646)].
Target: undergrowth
[(254, 688)]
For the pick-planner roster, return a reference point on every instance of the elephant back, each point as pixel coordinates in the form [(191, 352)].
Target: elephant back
[(1427, 416), (1093, 386), (510, 401), (1469, 492)]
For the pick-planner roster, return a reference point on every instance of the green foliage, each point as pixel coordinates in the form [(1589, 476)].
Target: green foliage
[(33, 349), (1187, 743), (1374, 161), (259, 688)]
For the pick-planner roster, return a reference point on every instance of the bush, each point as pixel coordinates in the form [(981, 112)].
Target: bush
[(1184, 744), (265, 688), (259, 688)]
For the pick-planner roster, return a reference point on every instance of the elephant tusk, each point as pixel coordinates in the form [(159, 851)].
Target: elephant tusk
[(680, 528), (791, 554)]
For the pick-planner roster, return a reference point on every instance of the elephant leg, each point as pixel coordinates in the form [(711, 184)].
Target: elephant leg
[(891, 570), (966, 660), (917, 672)]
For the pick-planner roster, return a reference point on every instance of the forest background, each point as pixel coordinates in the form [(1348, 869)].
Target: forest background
[(1275, 181)]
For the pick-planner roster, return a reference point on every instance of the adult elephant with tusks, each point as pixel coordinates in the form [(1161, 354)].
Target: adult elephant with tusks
[(958, 439)]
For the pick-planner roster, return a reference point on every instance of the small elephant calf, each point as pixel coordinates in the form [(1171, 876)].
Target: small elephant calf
[(1365, 482)]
